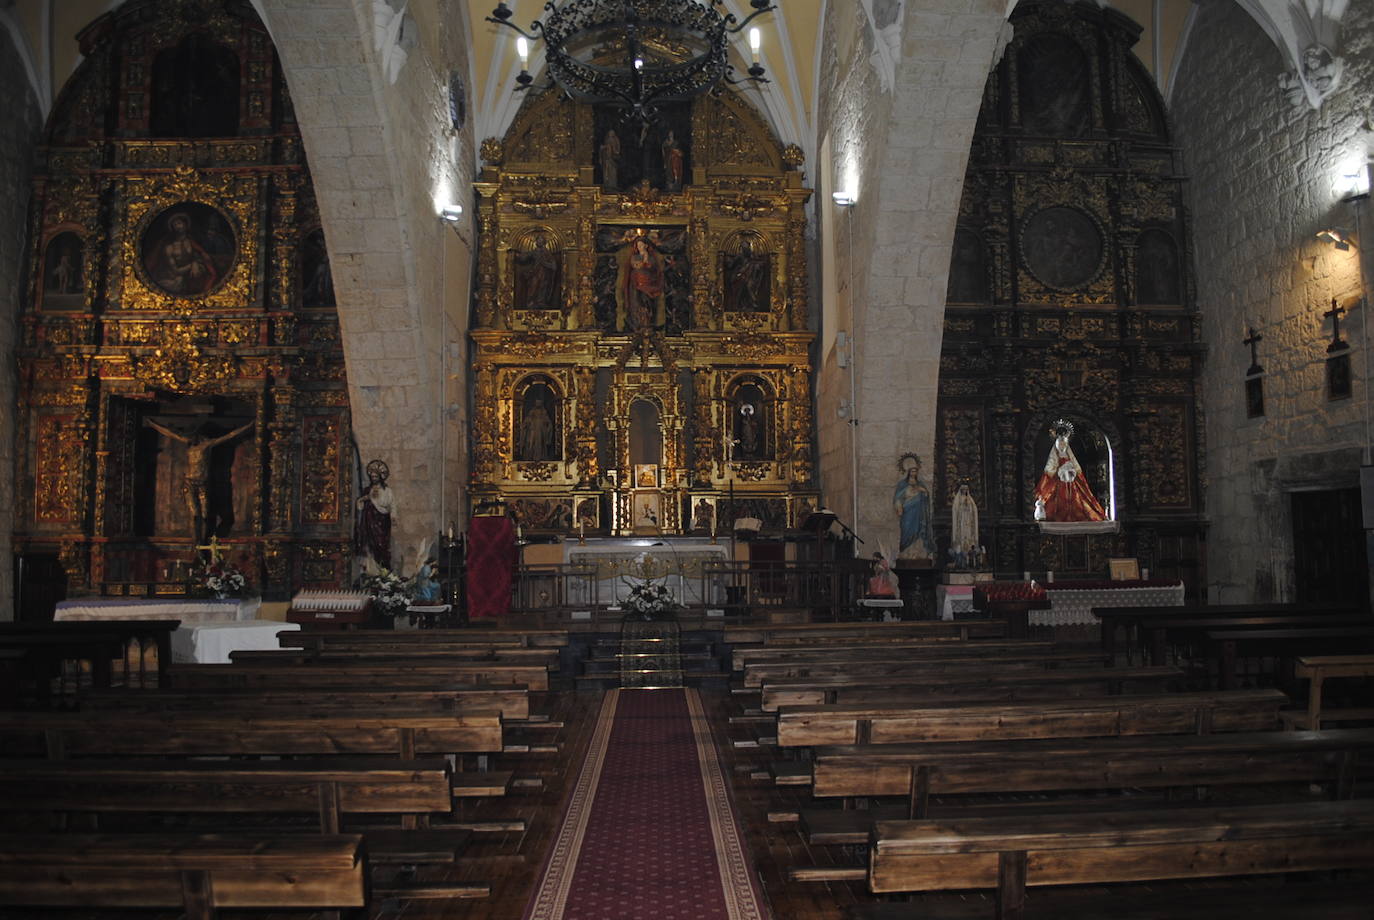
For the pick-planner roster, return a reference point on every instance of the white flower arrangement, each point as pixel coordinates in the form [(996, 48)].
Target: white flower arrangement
[(390, 592), (221, 579), (649, 599)]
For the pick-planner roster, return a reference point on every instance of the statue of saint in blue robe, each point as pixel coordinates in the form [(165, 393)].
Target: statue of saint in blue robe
[(911, 502)]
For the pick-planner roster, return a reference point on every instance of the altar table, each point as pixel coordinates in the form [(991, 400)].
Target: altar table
[(187, 610), (211, 643), (1072, 602)]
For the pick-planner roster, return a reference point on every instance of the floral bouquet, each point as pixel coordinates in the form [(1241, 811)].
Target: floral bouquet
[(649, 600), (391, 594), (217, 579)]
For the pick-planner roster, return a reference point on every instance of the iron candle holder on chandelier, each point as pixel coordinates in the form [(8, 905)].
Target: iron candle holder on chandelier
[(615, 51)]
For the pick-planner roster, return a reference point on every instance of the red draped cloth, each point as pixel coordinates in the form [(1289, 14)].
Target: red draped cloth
[(491, 562), (1070, 501)]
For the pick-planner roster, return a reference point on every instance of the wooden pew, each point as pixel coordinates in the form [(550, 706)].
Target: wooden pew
[(1225, 646), (741, 658), (919, 771), (984, 685), (519, 638), (1320, 668), (1008, 854), (958, 657), (383, 672), (198, 873), (547, 657), (1171, 713), (512, 702), (1112, 619), (329, 789), (836, 633), (82, 734), (45, 646), (1157, 633)]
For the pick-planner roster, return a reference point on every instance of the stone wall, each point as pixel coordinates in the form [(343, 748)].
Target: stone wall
[(1266, 176), (19, 132)]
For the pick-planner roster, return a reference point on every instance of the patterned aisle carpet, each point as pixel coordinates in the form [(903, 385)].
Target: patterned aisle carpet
[(649, 832)]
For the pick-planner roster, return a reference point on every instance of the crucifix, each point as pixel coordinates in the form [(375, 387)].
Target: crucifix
[(212, 548), (1334, 314), (1253, 341)]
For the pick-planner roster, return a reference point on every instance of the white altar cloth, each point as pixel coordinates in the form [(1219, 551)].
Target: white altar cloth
[(952, 599), (188, 610), (1074, 607), (614, 566), (211, 643)]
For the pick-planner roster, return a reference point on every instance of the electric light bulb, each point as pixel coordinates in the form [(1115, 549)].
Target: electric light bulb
[(755, 41), (522, 48)]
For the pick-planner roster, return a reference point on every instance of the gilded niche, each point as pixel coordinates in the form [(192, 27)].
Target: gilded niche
[(1069, 297), (179, 316)]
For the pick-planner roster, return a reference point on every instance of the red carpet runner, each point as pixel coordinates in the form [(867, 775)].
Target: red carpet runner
[(649, 833)]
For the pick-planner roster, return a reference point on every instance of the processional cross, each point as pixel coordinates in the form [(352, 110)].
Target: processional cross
[(1253, 341)]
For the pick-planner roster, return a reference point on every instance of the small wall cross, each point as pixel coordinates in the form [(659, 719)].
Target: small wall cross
[(1253, 341), (1334, 314)]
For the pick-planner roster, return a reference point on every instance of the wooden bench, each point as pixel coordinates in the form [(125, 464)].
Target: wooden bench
[(417, 791), (546, 657), (375, 672), (1170, 713), (958, 657), (512, 702), (984, 685), (1078, 766), (1008, 854), (197, 873), (45, 646), (476, 634), (741, 658), (833, 633), (1226, 646), (1112, 619), (73, 734), (1157, 633), (1320, 668)]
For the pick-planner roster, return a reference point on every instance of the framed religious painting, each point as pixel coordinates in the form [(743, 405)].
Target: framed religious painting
[(187, 250)]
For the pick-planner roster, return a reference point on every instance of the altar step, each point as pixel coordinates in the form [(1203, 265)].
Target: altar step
[(698, 664)]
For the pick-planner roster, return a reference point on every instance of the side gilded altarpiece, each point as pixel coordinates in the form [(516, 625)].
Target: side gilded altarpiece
[(181, 370), (1071, 297), (641, 341)]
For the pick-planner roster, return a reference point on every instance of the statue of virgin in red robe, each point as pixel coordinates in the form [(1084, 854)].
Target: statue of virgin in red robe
[(1062, 486)]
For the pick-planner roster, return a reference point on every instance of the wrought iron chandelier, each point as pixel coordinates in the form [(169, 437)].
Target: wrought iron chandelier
[(636, 54)]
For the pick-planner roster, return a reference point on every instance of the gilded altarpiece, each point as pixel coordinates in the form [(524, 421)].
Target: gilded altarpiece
[(181, 370), (1071, 296), (642, 353)]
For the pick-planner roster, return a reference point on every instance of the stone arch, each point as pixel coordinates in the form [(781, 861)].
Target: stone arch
[(383, 165), (910, 149)]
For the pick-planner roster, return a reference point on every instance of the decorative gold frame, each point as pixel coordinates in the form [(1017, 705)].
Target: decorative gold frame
[(233, 194)]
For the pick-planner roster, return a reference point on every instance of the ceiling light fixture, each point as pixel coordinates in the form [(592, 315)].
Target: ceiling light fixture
[(636, 54)]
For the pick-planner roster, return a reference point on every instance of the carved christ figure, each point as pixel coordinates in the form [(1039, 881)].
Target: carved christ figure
[(195, 482)]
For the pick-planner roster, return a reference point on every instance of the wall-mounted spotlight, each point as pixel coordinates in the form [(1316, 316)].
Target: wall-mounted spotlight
[(843, 199), (451, 213), (1338, 237)]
